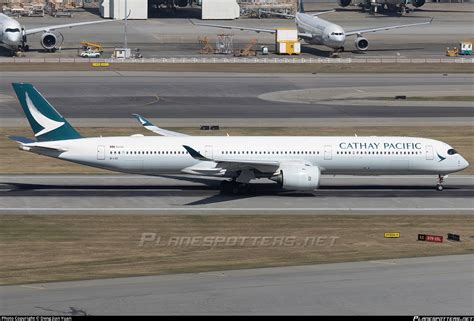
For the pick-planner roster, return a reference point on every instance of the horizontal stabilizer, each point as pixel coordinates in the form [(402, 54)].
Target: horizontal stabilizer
[(21, 139)]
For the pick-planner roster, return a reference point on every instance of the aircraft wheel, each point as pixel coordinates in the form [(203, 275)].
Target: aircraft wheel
[(439, 187)]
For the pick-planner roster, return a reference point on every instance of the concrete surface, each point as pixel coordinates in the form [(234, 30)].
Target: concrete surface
[(413, 286), (108, 98), (127, 194), (178, 37)]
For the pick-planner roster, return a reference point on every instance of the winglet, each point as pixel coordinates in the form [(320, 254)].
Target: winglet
[(195, 154), (157, 130), (142, 120)]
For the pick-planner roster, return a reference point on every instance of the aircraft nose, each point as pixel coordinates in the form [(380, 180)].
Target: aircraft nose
[(464, 163), (13, 38)]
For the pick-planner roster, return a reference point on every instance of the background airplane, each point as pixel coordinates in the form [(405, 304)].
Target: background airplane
[(14, 36), (317, 31), (399, 6), (295, 163)]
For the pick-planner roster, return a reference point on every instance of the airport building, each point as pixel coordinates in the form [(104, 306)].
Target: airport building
[(138, 9)]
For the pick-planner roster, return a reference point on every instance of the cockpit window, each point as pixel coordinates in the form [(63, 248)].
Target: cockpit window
[(336, 33), (452, 151), (12, 30)]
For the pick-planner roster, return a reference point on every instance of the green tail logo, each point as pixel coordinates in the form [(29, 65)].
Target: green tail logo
[(45, 121)]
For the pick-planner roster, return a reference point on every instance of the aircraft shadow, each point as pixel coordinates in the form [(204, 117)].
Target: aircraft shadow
[(4, 52), (395, 14), (214, 195), (211, 195), (315, 51), (357, 52)]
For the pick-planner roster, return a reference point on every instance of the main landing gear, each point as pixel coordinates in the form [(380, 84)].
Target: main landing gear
[(439, 186), (234, 187)]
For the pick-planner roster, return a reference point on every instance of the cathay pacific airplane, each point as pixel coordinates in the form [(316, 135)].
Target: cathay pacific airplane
[(295, 163)]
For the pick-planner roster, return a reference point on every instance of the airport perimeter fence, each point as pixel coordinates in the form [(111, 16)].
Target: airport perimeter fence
[(240, 60)]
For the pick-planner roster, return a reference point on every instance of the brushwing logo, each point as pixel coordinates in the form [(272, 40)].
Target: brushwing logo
[(47, 124), (142, 121), (441, 158)]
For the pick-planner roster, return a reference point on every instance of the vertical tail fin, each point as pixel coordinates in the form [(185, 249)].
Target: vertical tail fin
[(300, 6), (47, 124)]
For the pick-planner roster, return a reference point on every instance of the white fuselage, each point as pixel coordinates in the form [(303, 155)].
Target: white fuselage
[(150, 155), (10, 32), (322, 31)]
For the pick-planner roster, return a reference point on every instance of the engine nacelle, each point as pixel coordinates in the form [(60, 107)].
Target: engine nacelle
[(344, 3), (181, 3), (299, 177), (418, 3), (49, 40), (361, 43)]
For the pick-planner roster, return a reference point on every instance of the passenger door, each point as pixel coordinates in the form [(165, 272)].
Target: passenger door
[(327, 152), (429, 152), (208, 151), (101, 152)]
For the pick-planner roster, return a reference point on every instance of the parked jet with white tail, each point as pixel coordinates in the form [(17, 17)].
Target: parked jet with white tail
[(14, 36), (317, 31), (296, 163)]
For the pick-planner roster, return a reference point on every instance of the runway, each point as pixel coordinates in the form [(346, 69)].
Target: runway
[(108, 98), (413, 286), (181, 195)]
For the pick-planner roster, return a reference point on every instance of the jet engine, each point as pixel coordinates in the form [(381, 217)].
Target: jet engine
[(49, 41), (418, 3), (361, 43), (299, 177), (181, 3), (345, 3)]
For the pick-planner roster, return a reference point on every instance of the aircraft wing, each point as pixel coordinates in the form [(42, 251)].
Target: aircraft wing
[(278, 14), (235, 27), (320, 13), (236, 164), (305, 35), (69, 25), (361, 31), (157, 130)]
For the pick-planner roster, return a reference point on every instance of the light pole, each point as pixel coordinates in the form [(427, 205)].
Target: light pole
[(125, 43)]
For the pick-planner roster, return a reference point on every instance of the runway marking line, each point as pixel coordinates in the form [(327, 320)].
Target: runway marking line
[(383, 262), (81, 209), (33, 287)]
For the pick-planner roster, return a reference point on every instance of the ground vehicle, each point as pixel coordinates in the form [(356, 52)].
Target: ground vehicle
[(90, 54)]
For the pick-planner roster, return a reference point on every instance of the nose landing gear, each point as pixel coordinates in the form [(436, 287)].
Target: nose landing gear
[(439, 186)]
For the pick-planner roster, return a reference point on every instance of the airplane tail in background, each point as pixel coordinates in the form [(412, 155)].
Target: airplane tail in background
[(47, 124), (300, 6)]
